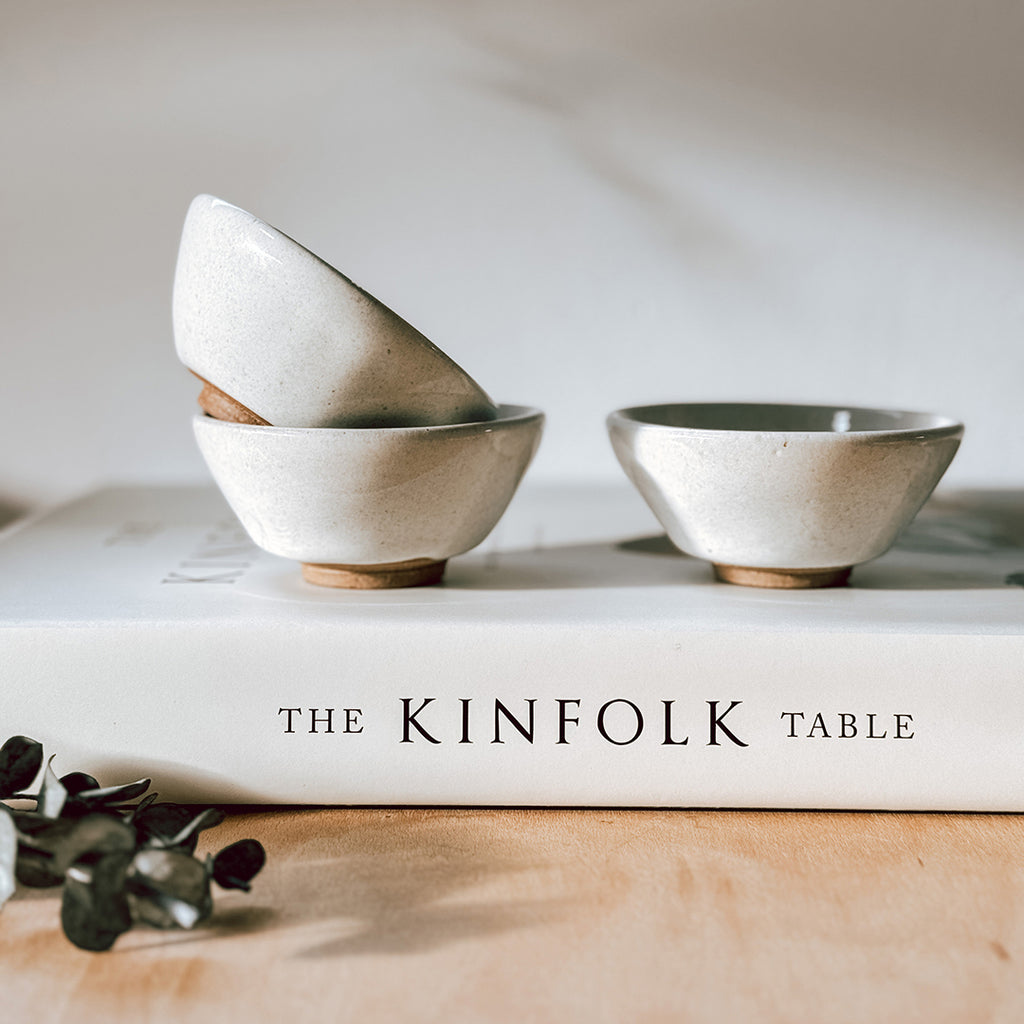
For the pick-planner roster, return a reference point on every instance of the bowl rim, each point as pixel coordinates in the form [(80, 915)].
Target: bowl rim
[(639, 417), (508, 416)]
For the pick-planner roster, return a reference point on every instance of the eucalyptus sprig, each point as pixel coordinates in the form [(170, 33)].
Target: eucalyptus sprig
[(122, 857)]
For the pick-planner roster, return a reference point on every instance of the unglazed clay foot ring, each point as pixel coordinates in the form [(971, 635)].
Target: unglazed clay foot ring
[(783, 579), (221, 406), (417, 572)]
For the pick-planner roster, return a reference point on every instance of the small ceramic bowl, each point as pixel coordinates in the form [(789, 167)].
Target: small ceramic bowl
[(371, 508), (280, 337), (782, 495)]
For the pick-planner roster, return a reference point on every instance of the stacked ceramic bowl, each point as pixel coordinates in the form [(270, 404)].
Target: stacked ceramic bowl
[(340, 436)]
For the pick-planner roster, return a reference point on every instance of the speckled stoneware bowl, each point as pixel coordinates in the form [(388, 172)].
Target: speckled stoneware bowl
[(279, 337), (371, 508), (783, 495)]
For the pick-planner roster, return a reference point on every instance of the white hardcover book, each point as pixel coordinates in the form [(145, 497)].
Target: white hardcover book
[(574, 659)]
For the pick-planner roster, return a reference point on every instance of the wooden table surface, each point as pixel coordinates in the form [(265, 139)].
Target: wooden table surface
[(555, 915)]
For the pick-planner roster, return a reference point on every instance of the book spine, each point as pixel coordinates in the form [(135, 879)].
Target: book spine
[(346, 710)]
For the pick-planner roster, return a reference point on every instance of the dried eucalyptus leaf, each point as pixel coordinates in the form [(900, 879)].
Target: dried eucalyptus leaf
[(158, 824), (94, 909), (49, 847), (148, 799), (159, 910), (34, 829), (52, 794), (238, 864), (97, 834), (20, 760), (38, 838), (118, 861), (34, 870), (190, 833), (169, 889), (77, 782), (107, 800), (8, 855), (175, 826), (115, 794)]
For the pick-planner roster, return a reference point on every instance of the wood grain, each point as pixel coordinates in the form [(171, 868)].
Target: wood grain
[(557, 915)]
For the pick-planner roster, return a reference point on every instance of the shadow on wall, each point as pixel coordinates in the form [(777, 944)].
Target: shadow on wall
[(844, 78), (11, 510)]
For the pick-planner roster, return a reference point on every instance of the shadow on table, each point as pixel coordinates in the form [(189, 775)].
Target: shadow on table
[(419, 929), (576, 567), (963, 540), (411, 881), (403, 881)]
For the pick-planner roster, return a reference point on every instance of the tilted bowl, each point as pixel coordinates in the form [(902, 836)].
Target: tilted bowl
[(280, 337)]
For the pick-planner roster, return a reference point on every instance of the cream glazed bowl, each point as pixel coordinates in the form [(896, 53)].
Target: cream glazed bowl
[(782, 495), (370, 508), (278, 336)]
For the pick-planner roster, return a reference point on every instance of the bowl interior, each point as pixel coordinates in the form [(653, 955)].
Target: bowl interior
[(742, 416)]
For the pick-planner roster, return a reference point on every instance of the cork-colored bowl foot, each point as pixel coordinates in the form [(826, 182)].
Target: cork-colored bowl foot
[(418, 572), (783, 579), (222, 406)]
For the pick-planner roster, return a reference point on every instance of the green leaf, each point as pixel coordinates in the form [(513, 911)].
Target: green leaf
[(77, 782), (118, 861), (50, 847), (107, 798), (94, 907), (190, 833), (169, 889), (174, 826), (160, 822), (20, 760), (135, 811), (52, 794), (37, 839), (238, 864), (96, 834), (115, 794)]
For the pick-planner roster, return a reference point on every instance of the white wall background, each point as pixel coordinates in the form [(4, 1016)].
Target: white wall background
[(587, 203)]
